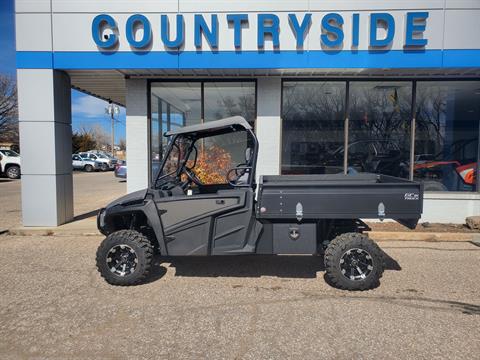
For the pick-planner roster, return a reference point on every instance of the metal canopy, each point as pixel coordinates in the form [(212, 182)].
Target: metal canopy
[(110, 84), (212, 126)]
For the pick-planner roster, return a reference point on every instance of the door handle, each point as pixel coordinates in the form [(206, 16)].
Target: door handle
[(220, 202)]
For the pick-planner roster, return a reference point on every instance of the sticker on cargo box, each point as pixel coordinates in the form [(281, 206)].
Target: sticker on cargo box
[(412, 196)]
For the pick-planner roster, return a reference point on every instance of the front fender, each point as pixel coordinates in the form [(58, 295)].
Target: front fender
[(147, 207)]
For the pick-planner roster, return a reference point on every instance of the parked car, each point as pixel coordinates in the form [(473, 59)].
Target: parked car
[(121, 169), (85, 164), (106, 163), (10, 163)]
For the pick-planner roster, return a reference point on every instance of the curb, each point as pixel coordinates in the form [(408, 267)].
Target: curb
[(51, 232), (424, 236), (374, 235)]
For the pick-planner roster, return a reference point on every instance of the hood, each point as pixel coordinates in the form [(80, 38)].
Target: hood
[(132, 197)]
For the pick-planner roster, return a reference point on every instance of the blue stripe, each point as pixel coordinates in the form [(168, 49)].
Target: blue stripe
[(466, 58), (34, 60), (250, 59)]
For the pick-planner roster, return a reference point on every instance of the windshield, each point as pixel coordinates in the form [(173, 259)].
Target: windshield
[(212, 159), (10, 153), (175, 159)]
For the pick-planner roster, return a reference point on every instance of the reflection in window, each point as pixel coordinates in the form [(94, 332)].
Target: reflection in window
[(379, 129), (217, 155), (173, 105), (313, 115), (225, 99), (446, 145)]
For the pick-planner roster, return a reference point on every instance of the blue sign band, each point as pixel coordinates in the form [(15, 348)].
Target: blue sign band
[(397, 59)]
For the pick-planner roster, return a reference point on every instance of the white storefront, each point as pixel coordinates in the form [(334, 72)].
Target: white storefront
[(331, 86)]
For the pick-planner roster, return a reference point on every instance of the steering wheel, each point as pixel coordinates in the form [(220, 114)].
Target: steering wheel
[(240, 169), (192, 176)]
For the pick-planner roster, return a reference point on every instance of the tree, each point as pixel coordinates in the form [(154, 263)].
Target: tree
[(8, 109), (101, 137), (83, 141), (122, 144)]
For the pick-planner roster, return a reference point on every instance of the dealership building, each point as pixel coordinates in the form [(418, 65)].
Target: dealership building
[(330, 86)]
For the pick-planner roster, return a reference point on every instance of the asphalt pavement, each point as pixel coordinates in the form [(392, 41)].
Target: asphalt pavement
[(54, 305)]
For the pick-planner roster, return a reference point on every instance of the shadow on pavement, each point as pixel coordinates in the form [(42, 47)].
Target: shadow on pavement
[(285, 266), (86, 215)]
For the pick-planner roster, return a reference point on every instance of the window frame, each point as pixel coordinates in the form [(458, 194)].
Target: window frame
[(202, 81)]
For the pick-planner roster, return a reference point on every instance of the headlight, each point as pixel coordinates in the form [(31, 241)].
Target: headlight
[(101, 218)]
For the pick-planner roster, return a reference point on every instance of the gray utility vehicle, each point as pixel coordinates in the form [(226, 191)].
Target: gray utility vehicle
[(201, 203)]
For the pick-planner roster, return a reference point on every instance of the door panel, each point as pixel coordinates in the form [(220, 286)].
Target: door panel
[(232, 230), (189, 208), (190, 239), (207, 224)]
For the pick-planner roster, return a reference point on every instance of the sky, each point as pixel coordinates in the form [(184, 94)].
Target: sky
[(87, 111)]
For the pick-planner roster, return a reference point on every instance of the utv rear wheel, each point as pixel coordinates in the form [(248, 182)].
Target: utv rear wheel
[(124, 258), (353, 262)]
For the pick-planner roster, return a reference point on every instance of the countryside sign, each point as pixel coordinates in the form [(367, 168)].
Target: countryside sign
[(382, 30)]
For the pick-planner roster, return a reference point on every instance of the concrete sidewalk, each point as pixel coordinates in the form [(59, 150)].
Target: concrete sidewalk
[(88, 227), (91, 192)]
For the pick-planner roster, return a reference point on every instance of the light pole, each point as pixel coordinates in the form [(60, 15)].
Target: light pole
[(112, 110)]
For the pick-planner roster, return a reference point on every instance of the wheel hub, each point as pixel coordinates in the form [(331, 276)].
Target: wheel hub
[(356, 264), (122, 260)]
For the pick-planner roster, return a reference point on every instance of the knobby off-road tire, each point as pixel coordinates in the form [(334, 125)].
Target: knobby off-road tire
[(124, 258), (353, 262)]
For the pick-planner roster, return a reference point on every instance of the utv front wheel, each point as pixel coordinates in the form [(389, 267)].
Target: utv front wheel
[(353, 262), (124, 258)]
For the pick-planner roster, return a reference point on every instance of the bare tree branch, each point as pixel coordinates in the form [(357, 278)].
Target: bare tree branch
[(8, 109)]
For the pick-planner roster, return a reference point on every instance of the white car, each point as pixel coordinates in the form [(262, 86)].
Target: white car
[(85, 164), (10, 163), (105, 162)]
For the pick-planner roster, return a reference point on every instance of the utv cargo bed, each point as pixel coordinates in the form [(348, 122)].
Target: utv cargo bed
[(339, 196)]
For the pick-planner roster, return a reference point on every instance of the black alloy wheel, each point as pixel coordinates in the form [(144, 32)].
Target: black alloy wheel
[(353, 262)]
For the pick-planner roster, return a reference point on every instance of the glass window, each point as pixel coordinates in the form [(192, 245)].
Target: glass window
[(446, 145), (173, 105), (10, 153), (217, 155), (313, 114), (225, 99), (379, 128)]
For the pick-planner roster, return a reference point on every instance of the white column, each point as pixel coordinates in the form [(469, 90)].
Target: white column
[(137, 135), (269, 125), (46, 146)]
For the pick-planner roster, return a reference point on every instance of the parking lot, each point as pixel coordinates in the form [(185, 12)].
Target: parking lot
[(91, 191), (54, 305)]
